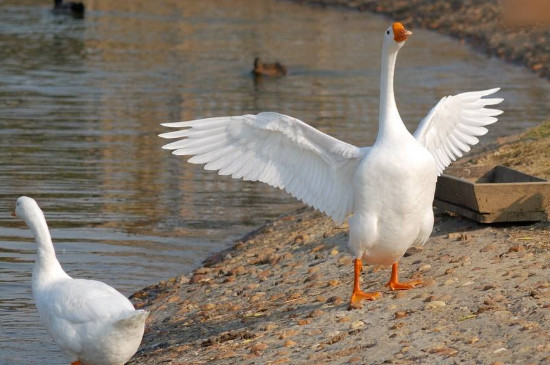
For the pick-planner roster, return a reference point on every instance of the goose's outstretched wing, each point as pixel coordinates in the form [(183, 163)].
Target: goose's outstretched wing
[(451, 127), (278, 150)]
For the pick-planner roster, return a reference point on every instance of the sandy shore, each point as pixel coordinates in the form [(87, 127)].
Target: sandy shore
[(280, 295), (483, 24)]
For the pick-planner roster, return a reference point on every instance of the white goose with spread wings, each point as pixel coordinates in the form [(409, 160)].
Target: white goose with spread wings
[(388, 187)]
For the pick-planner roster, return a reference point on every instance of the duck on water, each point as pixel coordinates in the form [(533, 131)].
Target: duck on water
[(76, 9), (268, 69)]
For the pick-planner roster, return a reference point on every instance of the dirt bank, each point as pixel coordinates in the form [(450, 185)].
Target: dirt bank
[(280, 295), (481, 23)]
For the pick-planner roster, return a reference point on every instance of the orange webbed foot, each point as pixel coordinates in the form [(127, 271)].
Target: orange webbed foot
[(358, 296), (394, 283), (404, 286), (77, 362)]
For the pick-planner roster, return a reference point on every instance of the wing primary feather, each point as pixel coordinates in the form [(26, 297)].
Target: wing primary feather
[(229, 165), (245, 171), (197, 150), (208, 123), (236, 165), (471, 140), (449, 150), (473, 95), (458, 143), (211, 157), (190, 143), (471, 130), (176, 134), (194, 133), (482, 112), (492, 101)]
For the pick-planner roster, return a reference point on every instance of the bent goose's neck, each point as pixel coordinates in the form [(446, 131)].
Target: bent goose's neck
[(46, 268), (389, 121)]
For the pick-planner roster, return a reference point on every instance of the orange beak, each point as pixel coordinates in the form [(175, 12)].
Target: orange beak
[(13, 214), (400, 34)]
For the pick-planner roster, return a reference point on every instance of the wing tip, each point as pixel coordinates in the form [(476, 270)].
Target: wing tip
[(184, 124), (178, 153), (170, 124), (488, 91)]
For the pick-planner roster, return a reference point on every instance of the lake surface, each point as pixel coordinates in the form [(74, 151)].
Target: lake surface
[(81, 101)]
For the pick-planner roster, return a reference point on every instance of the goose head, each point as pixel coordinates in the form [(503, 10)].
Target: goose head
[(27, 209), (395, 36)]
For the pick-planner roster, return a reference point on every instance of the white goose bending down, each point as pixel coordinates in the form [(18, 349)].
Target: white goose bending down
[(91, 321), (388, 187)]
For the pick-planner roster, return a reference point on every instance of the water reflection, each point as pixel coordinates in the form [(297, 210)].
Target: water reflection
[(82, 100)]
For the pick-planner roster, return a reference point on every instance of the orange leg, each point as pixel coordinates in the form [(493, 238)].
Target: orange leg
[(77, 362), (394, 283), (359, 295)]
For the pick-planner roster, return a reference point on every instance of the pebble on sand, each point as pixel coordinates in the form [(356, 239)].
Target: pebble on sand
[(435, 304), (289, 343), (258, 348)]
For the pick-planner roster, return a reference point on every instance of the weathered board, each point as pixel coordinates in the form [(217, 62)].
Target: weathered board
[(498, 194)]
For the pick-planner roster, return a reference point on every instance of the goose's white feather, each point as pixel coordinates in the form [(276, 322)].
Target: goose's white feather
[(82, 301), (278, 150), (90, 320), (454, 123)]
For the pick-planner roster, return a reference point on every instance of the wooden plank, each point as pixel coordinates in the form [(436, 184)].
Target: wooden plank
[(509, 197), (496, 217), (503, 174), (465, 212), (456, 191), (468, 173)]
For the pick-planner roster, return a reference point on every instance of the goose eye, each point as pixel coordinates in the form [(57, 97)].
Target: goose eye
[(387, 32)]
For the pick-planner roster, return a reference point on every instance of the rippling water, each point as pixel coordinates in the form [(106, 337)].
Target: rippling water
[(81, 101)]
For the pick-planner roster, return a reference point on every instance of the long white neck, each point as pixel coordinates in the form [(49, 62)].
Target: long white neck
[(390, 124), (46, 268)]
